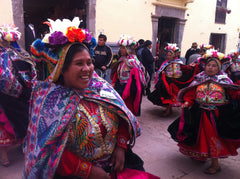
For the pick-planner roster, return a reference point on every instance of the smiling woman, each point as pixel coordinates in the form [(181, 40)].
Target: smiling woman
[(78, 68), (79, 125)]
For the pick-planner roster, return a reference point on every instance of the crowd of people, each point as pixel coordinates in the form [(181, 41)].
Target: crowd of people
[(75, 124)]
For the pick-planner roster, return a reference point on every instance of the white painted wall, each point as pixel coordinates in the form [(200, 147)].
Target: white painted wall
[(131, 17), (200, 24), (6, 14)]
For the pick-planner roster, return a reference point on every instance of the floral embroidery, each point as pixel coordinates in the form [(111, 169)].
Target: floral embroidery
[(173, 70), (91, 144), (210, 93)]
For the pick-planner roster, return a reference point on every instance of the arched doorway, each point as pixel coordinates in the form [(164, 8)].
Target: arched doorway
[(166, 30), (170, 19)]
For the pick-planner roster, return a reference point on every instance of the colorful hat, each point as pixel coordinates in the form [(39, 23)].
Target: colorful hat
[(233, 53), (127, 41), (220, 58), (55, 45), (206, 46), (9, 33), (172, 47)]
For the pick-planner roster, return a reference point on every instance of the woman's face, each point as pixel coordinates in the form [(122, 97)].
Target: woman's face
[(80, 71), (212, 68), (234, 57), (123, 51), (169, 56)]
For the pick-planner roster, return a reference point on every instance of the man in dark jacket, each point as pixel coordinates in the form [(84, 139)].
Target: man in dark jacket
[(191, 51), (147, 61), (139, 49), (103, 56)]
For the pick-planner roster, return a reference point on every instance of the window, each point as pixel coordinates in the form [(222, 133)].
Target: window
[(218, 41), (221, 11)]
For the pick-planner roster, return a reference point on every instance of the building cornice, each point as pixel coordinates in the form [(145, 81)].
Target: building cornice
[(158, 3)]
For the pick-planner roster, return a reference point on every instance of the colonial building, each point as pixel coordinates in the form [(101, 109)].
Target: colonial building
[(174, 21)]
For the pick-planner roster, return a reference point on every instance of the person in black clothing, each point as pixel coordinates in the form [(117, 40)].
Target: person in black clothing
[(139, 49), (161, 56), (191, 51), (30, 36), (102, 56), (147, 61)]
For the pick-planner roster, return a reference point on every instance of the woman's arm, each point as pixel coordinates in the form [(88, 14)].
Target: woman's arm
[(118, 156), (234, 94), (9, 84), (189, 98), (72, 165), (123, 135)]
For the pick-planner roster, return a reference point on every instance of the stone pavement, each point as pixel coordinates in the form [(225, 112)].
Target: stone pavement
[(159, 152)]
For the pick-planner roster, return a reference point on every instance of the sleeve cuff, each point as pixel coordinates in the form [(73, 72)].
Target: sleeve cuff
[(83, 169), (122, 142)]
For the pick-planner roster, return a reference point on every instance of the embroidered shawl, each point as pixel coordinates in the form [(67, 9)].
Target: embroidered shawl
[(221, 78), (164, 65), (51, 110)]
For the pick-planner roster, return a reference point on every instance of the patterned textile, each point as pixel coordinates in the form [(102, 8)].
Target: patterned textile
[(52, 109), (16, 74), (235, 66), (125, 66), (209, 144), (7, 135), (214, 132), (86, 138), (164, 65), (173, 70), (171, 77), (221, 78), (210, 93)]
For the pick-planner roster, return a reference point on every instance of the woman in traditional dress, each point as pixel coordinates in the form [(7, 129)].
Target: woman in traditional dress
[(170, 78), (17, 71), (209, 125), (79, 124), (129, 78), (233, 70)]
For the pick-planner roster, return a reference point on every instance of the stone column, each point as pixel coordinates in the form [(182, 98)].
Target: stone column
[(18, 19), (154, 33), (91, 16), (180, 23)]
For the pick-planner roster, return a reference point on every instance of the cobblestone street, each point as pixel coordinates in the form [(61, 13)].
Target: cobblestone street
[(159, 152)]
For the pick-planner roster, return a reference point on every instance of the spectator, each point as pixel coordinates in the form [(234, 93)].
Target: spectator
[(147, 61), (139, 49), (191, 51), (194, 56), (103, 56)]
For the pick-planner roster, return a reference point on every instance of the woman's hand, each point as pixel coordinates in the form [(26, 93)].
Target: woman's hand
[(192, 64), (118, 159), (185, 105), (99, 173)]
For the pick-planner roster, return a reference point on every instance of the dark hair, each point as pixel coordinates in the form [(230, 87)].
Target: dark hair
[(141, 41), (103, 36), (75, 48), (198, 50), (147, 43)]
